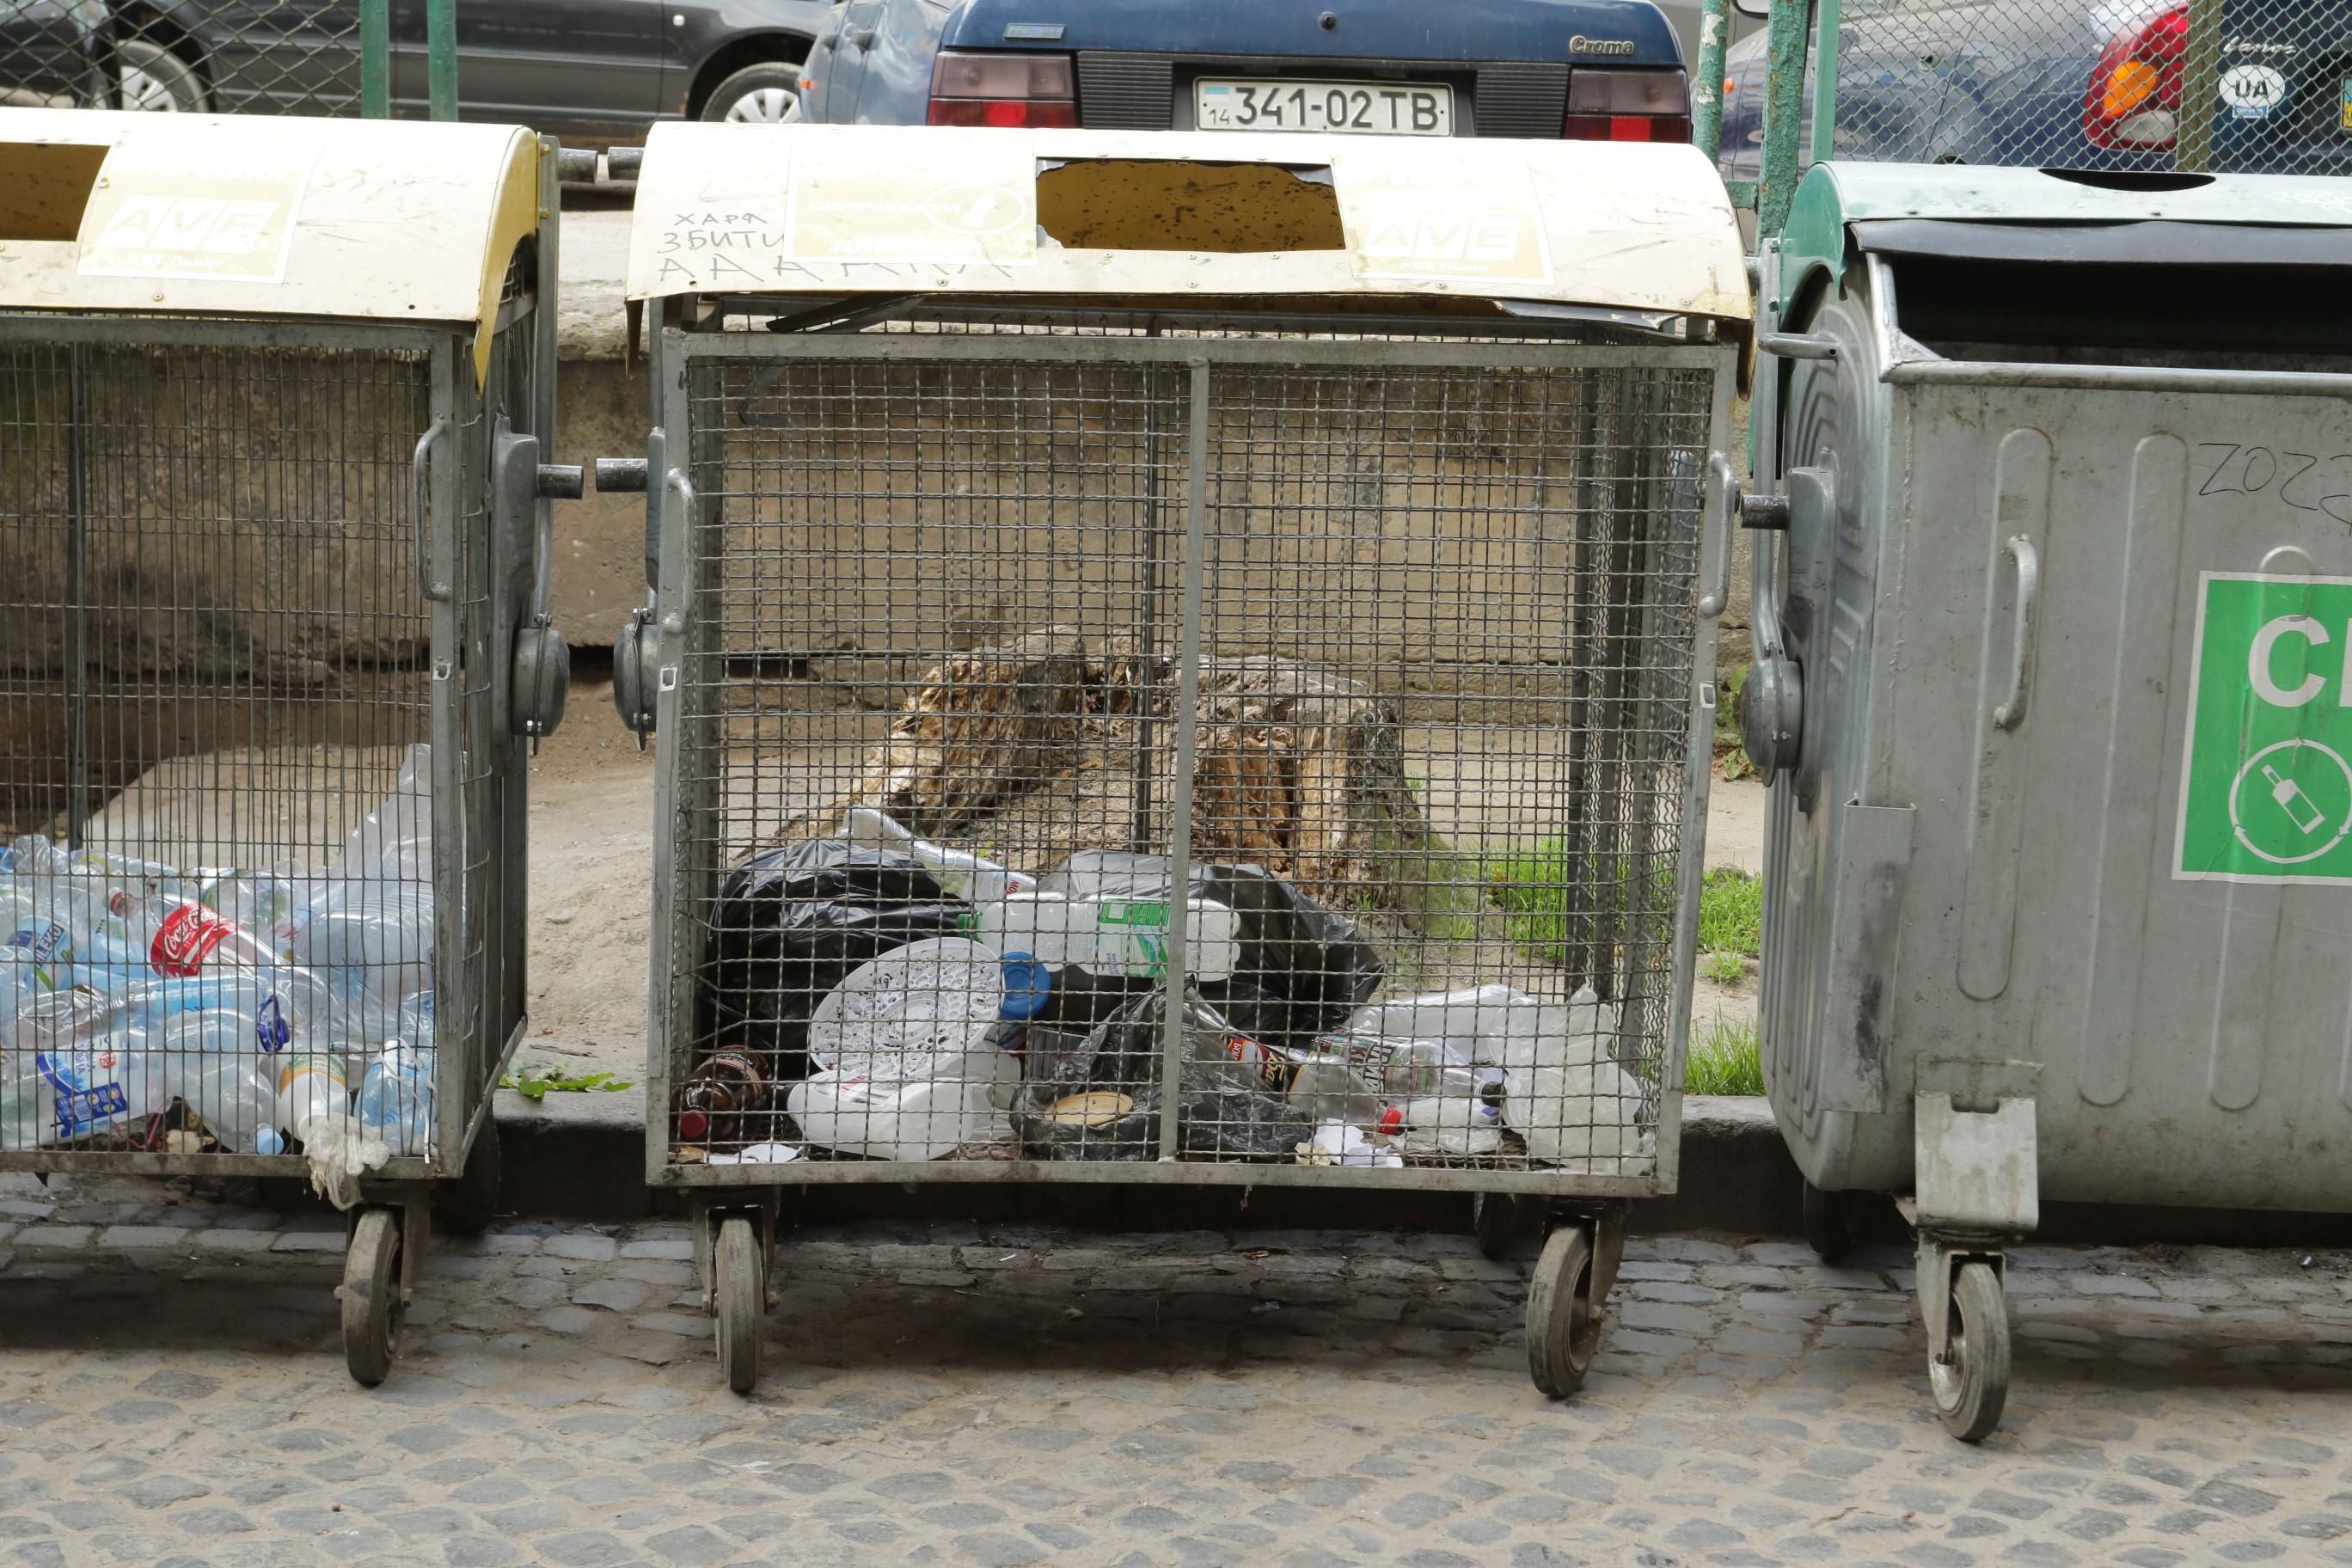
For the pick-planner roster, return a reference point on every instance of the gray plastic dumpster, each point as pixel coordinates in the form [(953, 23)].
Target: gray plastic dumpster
[(2053, 604), (274, 551)]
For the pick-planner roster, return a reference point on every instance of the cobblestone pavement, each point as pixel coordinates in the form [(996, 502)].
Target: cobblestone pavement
[(171, 1393)]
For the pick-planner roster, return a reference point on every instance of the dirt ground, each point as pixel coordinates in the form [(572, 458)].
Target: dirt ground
[(592, 889)]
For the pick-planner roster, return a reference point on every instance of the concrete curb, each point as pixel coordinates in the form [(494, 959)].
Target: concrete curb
[(582, 1156)]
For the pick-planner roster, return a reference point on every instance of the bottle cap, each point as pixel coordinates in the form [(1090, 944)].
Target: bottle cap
[(1027, 986), (269, 1141), (692, 1125), (1392, 1121)]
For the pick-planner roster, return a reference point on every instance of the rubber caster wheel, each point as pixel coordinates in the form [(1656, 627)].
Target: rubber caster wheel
[(742, 1289), (371, 1295), (1971, 1383), (1563, 1319), (1495, 1223), (1827, 1228), (468, 1205)]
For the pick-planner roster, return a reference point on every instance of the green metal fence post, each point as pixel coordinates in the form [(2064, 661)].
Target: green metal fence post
[(441, 55), (2200, 86), (1784, 117), (1707, 89), (1829, 18), (375, 58)]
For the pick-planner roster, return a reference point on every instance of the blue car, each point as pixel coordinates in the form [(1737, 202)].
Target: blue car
[(1586, 70), (2074, 84)]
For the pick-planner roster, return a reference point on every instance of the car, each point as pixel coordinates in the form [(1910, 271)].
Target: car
[(55, 53), (1585, 69), (594, 72), (2072, 84)]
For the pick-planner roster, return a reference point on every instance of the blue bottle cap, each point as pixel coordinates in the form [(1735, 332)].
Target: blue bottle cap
[(269, 1141), (1027, 984)]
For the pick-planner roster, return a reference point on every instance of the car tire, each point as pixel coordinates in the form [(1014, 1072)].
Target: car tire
[(767, 94), (156, 79)]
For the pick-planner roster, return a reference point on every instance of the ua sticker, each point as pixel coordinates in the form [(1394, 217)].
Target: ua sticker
[(2266, 778)]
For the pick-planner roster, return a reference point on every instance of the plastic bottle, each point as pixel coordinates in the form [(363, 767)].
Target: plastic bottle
[(70, 1089), (1567, 1097), (375, 941), (309, 1087), (396, 1099), (208, 1060), (281, 1007), (37, 957), (1112, 936), (179, 937), (1473, 1022), (720, 1097), (957, 871), (413, 1021), (1447, 1124)]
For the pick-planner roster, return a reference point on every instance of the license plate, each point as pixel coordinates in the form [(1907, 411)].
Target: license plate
[(1373, 109)]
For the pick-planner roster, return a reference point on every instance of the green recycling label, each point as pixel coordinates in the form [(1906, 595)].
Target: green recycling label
[(2266, 782)]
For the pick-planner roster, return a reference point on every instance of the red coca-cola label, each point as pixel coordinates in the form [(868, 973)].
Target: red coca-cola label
[(185, 938)]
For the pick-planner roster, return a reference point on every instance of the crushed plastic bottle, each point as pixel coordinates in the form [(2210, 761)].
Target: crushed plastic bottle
[(958, 872), (206, 1060), (309, 1087), (1447, 1124), (1566, 1096), (1112, 936), (396, 1098)]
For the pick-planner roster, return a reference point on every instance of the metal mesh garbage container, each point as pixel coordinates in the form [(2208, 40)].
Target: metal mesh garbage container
[(2053, 597), (273, 643), (1177, 659)]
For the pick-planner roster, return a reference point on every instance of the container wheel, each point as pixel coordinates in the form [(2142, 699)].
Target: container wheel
[(741, 1293), (1563, 1320), (1495, 1222), (371, 1295), (1827, 1230), (1971, 1383), (468, 1205)]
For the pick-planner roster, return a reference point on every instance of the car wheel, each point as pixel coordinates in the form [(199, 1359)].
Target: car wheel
[(758, 95), (156, 79)]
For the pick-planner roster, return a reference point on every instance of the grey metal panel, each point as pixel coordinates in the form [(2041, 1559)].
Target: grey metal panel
[(1126, 92), (1529, 99)]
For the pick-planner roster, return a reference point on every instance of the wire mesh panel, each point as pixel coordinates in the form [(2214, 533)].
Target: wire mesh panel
[(272, 56), (219, 723), (2200, 86), (1087, 757)]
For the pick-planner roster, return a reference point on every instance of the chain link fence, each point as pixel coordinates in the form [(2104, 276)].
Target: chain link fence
[(193, 57), (2191, 85)]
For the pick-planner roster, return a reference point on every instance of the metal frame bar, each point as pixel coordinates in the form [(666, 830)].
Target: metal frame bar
[(1368, 354), (673, 348), (216, 332)]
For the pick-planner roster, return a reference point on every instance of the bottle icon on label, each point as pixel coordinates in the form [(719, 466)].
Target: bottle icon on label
[(2300, 808)]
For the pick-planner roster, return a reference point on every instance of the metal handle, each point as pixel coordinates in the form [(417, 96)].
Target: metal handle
[(420, 468), (620, 476), (860, 37), (677, 484), (1798, 345), (1727, 506), (2012, 713), (624, 162)]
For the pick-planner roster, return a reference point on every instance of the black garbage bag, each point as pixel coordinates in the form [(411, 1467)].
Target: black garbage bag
[(789, 924), (1100, 1099), (1303, 968)]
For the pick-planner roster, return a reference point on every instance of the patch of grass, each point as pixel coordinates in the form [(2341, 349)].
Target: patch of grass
[(1723, 968), (1731, 913), (1730, 750), (538, 1083), (1531, 887), (1727, 1061)]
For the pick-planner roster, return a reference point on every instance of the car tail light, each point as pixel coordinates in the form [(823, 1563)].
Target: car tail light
[(969, 88), (2134, 98), (1608, 104)]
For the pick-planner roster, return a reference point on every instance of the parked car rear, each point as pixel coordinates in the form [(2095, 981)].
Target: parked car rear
[(2077, 85), (1592, 69)]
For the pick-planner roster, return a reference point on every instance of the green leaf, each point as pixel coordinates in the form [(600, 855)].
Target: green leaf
[(537, 1083)]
